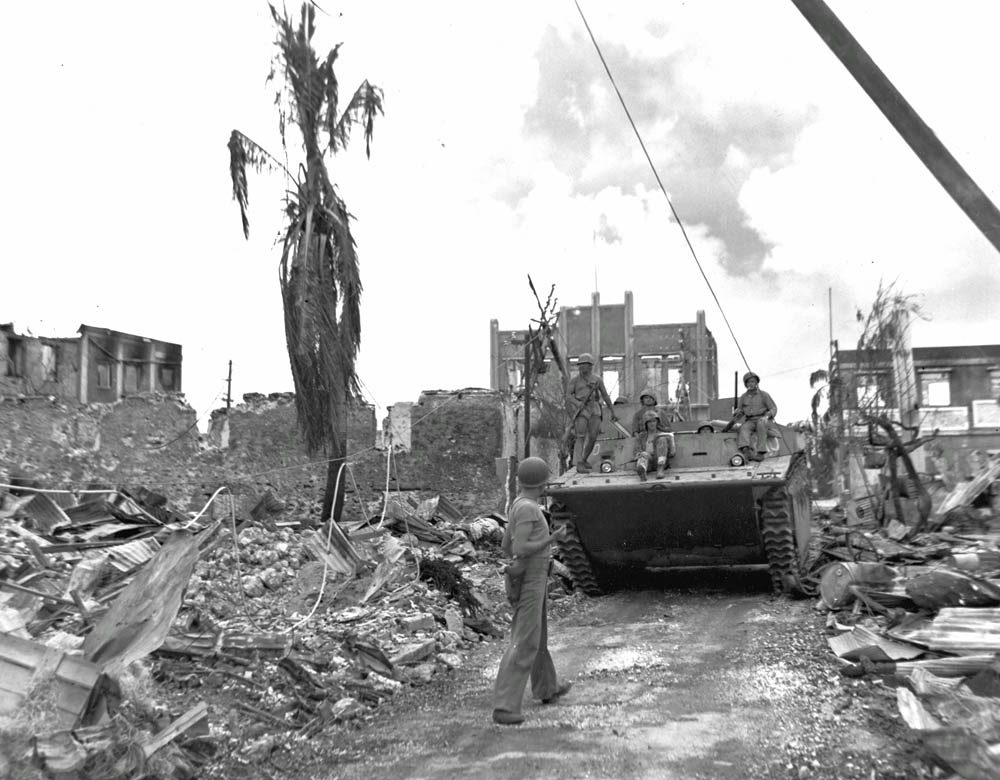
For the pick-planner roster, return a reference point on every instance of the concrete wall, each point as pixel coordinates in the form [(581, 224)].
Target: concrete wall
[(152, 441), (141, 441)]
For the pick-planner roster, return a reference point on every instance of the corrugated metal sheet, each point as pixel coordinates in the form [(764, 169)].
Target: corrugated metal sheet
[(960, 630), (127, 556), (90, 512), (46, 513)]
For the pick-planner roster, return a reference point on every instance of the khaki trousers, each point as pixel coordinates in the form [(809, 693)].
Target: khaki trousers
[(753, 433), (528, 652), (587, 430)]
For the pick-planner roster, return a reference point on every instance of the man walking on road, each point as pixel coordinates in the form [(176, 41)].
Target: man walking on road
[(528, 541)]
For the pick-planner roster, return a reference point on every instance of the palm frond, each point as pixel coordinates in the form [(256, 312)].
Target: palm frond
[(245, 153), (817, 376), (365, 104)]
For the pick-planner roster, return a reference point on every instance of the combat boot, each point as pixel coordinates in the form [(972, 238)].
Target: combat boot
[(640, 469), (661, 465)]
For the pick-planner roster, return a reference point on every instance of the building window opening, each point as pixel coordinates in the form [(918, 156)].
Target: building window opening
[(103, 375), (167, 378), (613, 375), (653, 373), (15, 358), (48, 361), (515, 375), (995, 383), (935, 388), (874, 392), (133, 377)]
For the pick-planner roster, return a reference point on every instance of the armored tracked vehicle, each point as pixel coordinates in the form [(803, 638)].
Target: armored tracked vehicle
[(710, 507)]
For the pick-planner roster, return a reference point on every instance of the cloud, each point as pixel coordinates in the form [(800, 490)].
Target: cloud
[(703, 154)]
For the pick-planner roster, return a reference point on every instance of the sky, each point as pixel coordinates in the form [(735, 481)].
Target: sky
[(502, 152)]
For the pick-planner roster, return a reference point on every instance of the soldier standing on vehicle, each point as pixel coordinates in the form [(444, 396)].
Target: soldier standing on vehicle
[(528, 542), (755, 409), (583, 403)]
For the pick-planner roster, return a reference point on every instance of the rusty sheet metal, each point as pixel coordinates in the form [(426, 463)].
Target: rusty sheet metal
[(863, 643), (959, 630), (140, 617), (94, 511), (46, 513), (128, 509), (273, 643), (98, 532), (128, 555)]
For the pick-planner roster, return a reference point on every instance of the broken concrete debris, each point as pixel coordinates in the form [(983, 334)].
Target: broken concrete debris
[(298, 629), (925, 614)]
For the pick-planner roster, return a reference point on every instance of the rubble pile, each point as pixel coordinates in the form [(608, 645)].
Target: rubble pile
[(117, 612), (923, 615)]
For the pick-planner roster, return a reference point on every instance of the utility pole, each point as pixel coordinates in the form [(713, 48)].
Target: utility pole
[(527, 395), (229, 388), (920, 138)]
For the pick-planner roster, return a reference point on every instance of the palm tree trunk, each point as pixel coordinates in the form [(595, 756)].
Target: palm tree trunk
[(333, 495)]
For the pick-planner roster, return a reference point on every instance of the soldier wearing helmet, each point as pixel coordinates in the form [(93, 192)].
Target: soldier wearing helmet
[(583, 404), (654, 436), (527, 541), (755, 409)]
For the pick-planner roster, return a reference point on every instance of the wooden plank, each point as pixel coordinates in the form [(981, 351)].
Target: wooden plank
[(75, 671), (15, 679), (46, 665), (183, 723), (25, 665), (22, 652), (6, 585)]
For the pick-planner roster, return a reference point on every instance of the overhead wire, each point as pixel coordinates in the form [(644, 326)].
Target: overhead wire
[(656, 175)]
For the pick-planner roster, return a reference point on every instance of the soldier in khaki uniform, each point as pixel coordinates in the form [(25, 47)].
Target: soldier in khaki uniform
[(654, 436), (528, 542), (755, 410), (583, 403)]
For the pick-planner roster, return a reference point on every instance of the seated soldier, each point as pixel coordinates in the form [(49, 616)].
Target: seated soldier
[(654, 437), (755, 409)]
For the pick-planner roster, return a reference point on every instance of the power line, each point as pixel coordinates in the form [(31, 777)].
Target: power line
[(660, 183)]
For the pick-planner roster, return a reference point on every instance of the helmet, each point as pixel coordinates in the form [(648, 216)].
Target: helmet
[(748, 376), (649, 417), (586, 357), (532, 472), (646, 391)]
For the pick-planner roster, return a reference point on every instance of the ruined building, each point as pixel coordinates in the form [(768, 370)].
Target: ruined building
[(99, 365), (678, 360)]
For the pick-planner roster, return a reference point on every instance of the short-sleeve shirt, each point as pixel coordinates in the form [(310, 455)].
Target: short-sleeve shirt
[(525, 511)]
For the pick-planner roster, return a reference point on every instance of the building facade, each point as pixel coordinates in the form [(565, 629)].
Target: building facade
[(953, 390), (99, 365), (678, 361), (950, 393)]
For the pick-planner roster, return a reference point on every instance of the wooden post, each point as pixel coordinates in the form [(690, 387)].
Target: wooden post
[(527, 396)]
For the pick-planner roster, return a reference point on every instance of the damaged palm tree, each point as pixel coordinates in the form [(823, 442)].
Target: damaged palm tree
[(318, 272), (883, 384)]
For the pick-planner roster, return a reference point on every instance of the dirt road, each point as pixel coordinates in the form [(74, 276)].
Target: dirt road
[(700, 676)]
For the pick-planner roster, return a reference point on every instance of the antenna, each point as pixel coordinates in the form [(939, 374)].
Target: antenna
[(593, 242)]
